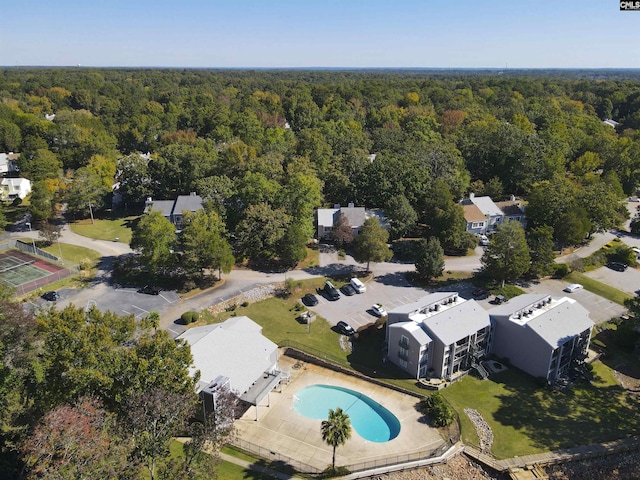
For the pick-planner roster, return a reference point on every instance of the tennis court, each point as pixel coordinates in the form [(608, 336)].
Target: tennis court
[(25, 272)]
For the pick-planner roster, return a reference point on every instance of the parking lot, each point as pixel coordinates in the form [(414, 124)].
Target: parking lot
[(627, 281), (392, 290), (123, 301)]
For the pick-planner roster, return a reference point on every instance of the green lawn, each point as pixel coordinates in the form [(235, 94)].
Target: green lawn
[(599, 288), (106, 228), (278, 320), (527, 419), (72, 254)]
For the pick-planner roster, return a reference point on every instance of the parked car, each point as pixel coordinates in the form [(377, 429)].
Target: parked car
[(617, 266), (149, 290), (345, 328), (378, 310), (348, 290), (483, 240), (331, 291), (499, 300), (51, 296), (574, 287), (310, 300), (479, 293), (358, 285)]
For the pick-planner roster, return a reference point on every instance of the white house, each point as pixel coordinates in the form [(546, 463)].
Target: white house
[(8, 163), (236, 353), (13, 188)]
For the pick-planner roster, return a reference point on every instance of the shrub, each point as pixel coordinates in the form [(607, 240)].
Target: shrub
[(244, 304), (561, 270), (189, 317), (231, 308), (437, 409)]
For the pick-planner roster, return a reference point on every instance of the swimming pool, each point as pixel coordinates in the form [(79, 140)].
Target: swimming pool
[(369, 419)]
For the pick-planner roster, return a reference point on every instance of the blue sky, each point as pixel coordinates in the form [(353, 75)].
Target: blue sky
[(320, 33)]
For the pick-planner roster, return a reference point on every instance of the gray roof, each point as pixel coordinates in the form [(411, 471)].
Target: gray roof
[(511, 208), (418, 304), (564, 320), (413, 330), (486, 206), (235, 349), (165, 207), (516, 304), (457, 322), (328, 216), (187, 203)]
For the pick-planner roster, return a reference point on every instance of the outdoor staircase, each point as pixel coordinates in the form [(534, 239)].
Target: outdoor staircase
[(481, 370)]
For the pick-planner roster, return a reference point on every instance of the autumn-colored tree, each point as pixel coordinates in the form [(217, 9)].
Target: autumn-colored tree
[(342, 233), (76, 441)]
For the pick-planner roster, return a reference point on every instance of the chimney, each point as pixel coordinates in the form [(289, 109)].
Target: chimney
[(193, 194), (472, 196), (350, 204), (148, 202), (512, 198)]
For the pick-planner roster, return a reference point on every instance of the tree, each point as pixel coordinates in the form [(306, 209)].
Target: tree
[(435, 406), (76, 441), (540, 241), (342, 233), (336, 430), (132, 173), (49, 232), (430, 261), (445, 218), (634, 226), (507, 256), (572, 227), (371, 244), (3, 218), (293, 247), (154, 237), (153, 418), (260, 234), (402, 217), (204, 244), (42, 200), (42, 164)]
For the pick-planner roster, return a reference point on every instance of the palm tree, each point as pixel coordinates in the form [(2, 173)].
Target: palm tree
[(336, 430)]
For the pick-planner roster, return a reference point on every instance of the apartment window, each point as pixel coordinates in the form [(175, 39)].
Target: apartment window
[(477, 225), (403, 363), (404, 342)]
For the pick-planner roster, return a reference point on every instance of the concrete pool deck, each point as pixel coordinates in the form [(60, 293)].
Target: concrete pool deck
[(282, 430)]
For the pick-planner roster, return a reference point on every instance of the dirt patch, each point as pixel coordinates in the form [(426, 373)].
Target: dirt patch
[(628, 378)]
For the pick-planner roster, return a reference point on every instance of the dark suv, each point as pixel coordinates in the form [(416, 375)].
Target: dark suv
[(331, 291), (149, 290), (617, 266)]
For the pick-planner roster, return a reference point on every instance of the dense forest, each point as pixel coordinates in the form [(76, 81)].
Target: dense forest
[(267, 147), (264, 148)]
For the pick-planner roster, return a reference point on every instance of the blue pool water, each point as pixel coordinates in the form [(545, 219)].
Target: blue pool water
[(371, 420)]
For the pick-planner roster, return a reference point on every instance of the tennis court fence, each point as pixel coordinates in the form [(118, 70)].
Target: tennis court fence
[(27, 248), (21, 289)]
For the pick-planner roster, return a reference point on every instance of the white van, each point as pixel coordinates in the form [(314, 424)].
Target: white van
[(358, 285)]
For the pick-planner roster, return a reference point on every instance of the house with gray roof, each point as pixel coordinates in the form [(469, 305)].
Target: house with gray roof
[(356, 216), (174, 210), (441, 335), (541, 335), (234, 353)]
